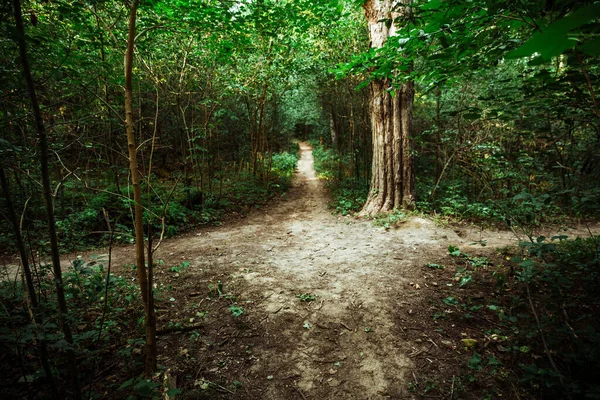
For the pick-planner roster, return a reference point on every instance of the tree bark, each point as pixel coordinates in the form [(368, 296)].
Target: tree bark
[(144, 282), (47, 191), (133, 162), (12, 218), (333, 129), (392, 179)]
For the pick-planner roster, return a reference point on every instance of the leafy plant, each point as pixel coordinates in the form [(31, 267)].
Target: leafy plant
[(434, 266), (390, 219), (236, 310), (182, 266), (306, 297)]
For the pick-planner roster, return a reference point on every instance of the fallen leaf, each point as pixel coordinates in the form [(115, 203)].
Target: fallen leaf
[(469, 343)]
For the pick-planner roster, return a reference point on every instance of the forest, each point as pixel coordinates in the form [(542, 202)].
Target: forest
[(271, 199)]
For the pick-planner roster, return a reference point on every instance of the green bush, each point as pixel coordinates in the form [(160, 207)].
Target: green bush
[(564, 279), (284, 164), (326, 162), (348, 193)]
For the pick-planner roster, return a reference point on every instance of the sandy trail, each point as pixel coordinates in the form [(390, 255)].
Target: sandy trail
[(347, 343)]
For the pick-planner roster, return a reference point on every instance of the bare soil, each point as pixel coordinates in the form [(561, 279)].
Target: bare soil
[(367, 334)]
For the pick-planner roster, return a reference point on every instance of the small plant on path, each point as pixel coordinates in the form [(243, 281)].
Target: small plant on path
[(306, 297)]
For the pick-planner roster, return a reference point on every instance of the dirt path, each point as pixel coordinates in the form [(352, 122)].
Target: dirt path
[(357, 340), (347, 343)]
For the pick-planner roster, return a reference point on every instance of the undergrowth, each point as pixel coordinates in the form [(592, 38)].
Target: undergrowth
[(82, 213), (106, 317), (348, 193), (523, 325), (101, 306)]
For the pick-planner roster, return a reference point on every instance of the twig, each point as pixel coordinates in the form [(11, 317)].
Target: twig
[(321, 306), (97, 376), (543, 337), (146, 30), (219, 387), (346, 326), (416, 353), (299, 391), (178, 329), (107, 281), (162, 232), (589, 83)]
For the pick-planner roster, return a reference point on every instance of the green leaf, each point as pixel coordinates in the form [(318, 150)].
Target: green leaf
[(126, 384), (236, 310), (451, 301), (454, 251), (475, 362), (591, 47), (577, 18), (432, 5), (494, 361), (548, 44), (173, 392), (434, 266), (554, 39)]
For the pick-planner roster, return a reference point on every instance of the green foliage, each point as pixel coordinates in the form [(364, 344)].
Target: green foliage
[(490, 128), (102, 307), (434, 266), (348, 193), (236, 310), (284, 164), (464, 275), (143, 388), (180, 267), (326, 161), (562, 35), (306, 297), (390, 219), (553, 292)]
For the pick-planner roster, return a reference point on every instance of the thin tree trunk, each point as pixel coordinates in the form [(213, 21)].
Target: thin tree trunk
[(150, 322), (333, 129), (407, 161), (145, 279), (12, 217), (133, 162), (47, 191)]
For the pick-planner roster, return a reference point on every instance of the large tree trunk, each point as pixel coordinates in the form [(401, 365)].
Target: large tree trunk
[(392, 181)]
